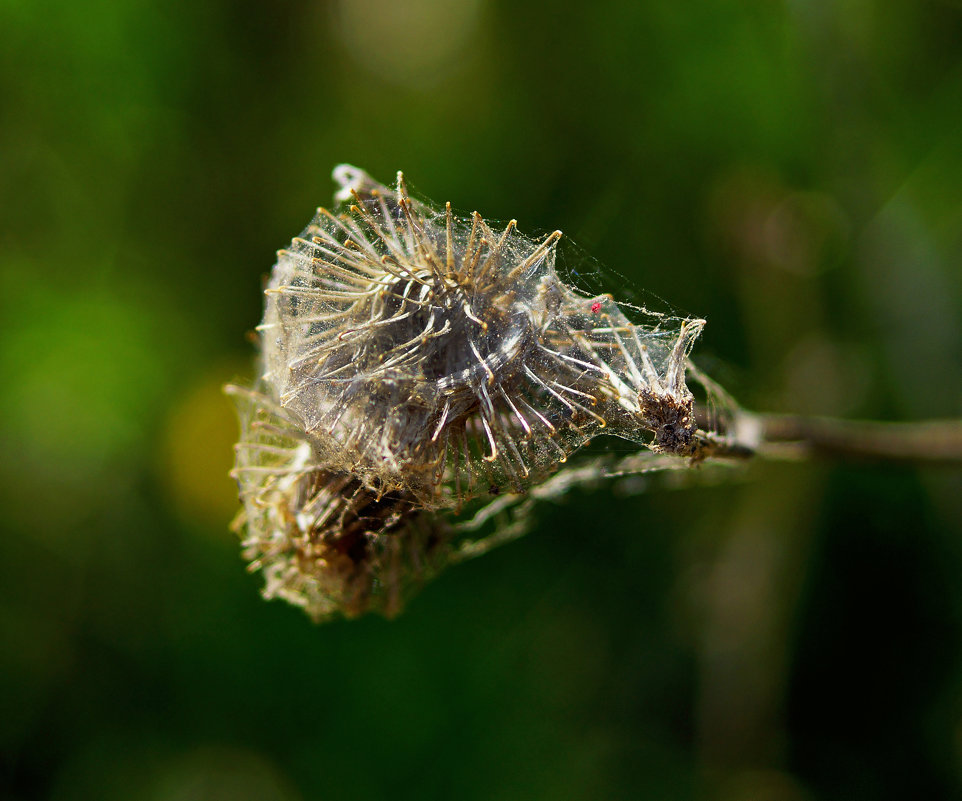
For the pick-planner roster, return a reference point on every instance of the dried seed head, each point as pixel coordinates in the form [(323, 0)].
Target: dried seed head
[(413, 361), (436, 356), (321, 539)]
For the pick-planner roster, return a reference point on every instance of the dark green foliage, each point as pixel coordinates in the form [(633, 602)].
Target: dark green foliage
[(789, 171)]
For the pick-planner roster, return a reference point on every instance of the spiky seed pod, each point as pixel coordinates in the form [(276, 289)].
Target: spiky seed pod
[(413, 361), (321, 539), (436, 357)]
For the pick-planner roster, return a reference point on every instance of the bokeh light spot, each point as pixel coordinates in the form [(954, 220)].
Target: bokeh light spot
[(410, 43), (198, 455)]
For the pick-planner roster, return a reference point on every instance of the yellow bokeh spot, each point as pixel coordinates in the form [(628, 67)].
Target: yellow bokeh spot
[(198, 452)]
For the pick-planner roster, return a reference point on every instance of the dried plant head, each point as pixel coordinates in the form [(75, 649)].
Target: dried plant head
[(439, 357), (414, 361), (322, 540)]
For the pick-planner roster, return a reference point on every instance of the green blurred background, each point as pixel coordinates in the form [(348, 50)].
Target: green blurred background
[(790, 170)]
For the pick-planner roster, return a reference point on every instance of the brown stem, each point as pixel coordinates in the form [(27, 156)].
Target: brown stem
[(749, 434), (928, 442)]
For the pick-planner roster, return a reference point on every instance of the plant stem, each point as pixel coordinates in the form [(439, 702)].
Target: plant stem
[(931, 442), (928, 442)]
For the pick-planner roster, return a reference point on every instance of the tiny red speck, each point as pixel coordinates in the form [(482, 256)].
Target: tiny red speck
[(595, 307)]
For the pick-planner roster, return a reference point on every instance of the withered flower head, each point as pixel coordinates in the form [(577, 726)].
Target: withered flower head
[(322, 540), (414, 361), (434, 355)]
